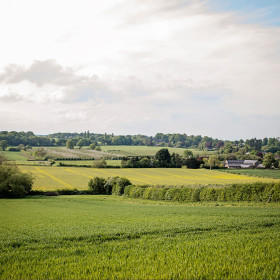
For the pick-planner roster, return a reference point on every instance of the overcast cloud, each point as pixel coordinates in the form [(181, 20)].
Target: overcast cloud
[(138, 66)]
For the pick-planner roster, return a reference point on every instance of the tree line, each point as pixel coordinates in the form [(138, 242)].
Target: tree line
[(86, 138)]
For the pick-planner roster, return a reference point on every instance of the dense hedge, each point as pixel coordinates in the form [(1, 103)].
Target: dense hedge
[(266, 192)]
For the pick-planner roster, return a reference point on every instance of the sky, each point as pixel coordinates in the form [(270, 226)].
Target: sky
[(141, 66)]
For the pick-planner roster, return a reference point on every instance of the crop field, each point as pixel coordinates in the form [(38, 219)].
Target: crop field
[(99, 237), (51, 178), (269, 173)]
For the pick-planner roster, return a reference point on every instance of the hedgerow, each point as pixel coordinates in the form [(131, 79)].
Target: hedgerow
[(266, 192)]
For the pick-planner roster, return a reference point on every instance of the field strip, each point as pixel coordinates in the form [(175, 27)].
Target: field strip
[(154, 177), (191, 172), (184, 177), (114, 174), (53, 177), (135, 172), (76, 172)]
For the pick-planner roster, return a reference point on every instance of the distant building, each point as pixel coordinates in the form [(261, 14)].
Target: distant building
[(243, 164)]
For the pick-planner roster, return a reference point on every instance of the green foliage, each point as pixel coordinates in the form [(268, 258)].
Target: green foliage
[(92, 146), (3, 144), (41, 153), (14, 183), (96, 237), (188, 154), (70, 144), (100, 163), (3, 159), (120, 184), (257, 192), (269, 160), (97, 185), (81, 143), (163, 157)]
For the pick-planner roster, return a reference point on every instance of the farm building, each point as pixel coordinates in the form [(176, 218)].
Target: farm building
[(243, 164)]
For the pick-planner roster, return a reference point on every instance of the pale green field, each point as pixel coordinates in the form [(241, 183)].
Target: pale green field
[(15, 156), (88, 162), (147, 150), (51, 178)]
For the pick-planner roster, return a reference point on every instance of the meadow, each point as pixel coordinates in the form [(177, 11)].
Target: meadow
[(51, 178), (269, 173), (148, 150), (110, 237)]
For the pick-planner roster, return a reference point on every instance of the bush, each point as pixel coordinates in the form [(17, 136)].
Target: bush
[(120, 184), (51, 193), (12, 149), (137, 192), (127, 190), (97, 185), (110, 185), (14, 183), (101, 163)]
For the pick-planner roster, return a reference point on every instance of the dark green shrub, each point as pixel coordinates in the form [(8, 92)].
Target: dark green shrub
[(127, 190), (121, 183), (51, 193), (68, 191), (96, 185), (137, 192), (208, 194), (14, 183)]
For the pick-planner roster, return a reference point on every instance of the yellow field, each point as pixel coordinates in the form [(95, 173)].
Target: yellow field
[(51, 178)]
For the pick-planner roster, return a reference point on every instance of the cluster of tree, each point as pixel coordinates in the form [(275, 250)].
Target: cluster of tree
[(112, 185), (163, 159), (14, 138), (13, 183)]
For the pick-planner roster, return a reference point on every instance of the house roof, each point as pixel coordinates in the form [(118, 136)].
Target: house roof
[(249, 161)]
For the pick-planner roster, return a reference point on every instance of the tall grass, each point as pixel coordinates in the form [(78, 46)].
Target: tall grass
[(109, 237)]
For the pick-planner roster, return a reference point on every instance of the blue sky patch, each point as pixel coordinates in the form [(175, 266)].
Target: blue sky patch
[(265, 12)]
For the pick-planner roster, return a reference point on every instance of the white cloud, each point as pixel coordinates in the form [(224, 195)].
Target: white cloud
[(138, 67)]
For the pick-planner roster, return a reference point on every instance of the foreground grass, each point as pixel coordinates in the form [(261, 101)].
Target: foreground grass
[(267, 173), (51, 178), (102, 237)]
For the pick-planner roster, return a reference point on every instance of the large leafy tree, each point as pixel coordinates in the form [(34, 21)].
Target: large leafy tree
[(3, 144), (269, 160), (163, 157), (70, 144)]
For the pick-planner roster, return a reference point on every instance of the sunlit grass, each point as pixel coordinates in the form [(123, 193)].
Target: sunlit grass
[(99, 237), (50, 178)]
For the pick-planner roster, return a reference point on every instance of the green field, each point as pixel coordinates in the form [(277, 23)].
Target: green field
[(51, 178), (15, 156), (147, 150), (88, 162), (99, 237), (268, 173)]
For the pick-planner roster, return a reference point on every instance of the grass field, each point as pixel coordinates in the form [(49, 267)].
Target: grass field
[(88, 162), (146, 150), (51, 178), (269, 173), (98, 237), (84, 153), (15, 156)]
